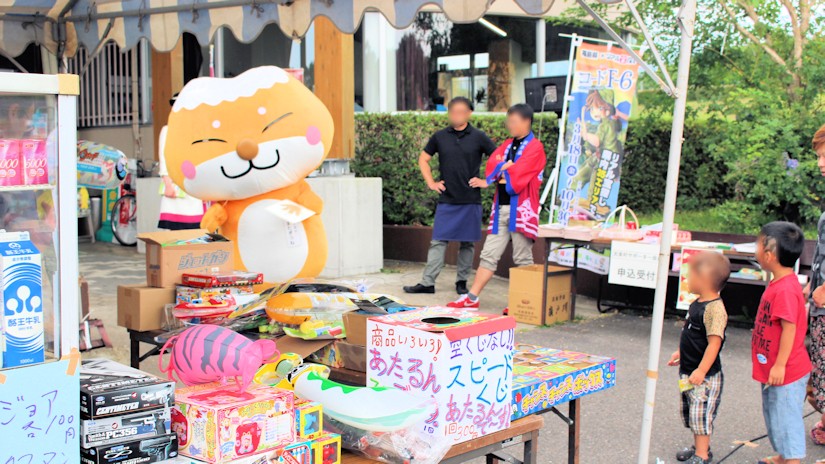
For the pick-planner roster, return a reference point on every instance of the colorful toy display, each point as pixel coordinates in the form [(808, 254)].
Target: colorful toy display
[(545, 377), (207, 353), (380, 409), (246, 144), (218, 424), (461, 358)]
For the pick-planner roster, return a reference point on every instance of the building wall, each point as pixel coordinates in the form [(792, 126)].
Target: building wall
[(121, 138)]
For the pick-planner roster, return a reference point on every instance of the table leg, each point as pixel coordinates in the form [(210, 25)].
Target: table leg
[(573, 282), (573, 433), (531, 448), (134, 351), (544, 280)]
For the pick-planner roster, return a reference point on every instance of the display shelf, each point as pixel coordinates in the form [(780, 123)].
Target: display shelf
[(23, 188)]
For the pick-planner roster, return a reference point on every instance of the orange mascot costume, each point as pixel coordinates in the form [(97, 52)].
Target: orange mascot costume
[(246, 144)]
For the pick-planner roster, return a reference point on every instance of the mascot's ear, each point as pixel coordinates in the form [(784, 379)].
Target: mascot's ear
[(162, 170)]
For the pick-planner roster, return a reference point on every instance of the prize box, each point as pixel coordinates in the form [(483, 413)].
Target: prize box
[(108, 388), (145, 451), (118, 429)]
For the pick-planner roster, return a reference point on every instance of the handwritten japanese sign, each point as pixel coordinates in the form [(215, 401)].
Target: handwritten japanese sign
[(633, 264), (39, 408), (470, 377)]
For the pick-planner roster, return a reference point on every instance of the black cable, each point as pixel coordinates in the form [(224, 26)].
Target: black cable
[(740, 445)]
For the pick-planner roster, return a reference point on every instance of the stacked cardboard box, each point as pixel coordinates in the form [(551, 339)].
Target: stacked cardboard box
[(170, 255), (125, 415)]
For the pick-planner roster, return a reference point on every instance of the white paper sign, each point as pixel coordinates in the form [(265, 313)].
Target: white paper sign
[(290, 211), (588, 259), (633, 264)]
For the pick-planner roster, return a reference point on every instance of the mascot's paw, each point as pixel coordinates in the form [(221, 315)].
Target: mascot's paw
[(214, 218)]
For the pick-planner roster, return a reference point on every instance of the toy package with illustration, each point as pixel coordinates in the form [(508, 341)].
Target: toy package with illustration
[(326, 449), (118, 429), (218, 424), (299, 452), (309, 422), (200, 295), (545, 377), (235, 279), (143, 451), (108, 388), (22, 300)]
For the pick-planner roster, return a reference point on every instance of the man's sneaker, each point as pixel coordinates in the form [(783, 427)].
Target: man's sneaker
[(461, 287), (688, 453), (463, 302), (418, 288)]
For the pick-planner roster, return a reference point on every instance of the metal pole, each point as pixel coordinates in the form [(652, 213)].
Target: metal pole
[(553, 182), (686, 17), (541, 47)]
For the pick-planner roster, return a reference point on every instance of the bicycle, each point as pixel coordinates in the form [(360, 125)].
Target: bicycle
[(124, 211)]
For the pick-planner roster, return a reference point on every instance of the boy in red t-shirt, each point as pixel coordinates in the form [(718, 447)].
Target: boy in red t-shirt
[(780, 360)]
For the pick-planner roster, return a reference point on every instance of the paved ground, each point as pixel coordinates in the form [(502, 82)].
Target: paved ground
[(611, 420)]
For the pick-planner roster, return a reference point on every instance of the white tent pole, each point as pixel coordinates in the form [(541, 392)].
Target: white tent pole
[(686, 18)]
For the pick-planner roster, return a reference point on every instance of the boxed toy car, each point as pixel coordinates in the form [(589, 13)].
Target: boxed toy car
[(326, 449), (108, 389), (145, 451), (119, 429), (218, 424), (309, 419)]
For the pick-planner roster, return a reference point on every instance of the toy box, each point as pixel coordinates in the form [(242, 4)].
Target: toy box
[(463, 359), (118, 429), (198, 295), (144, 451), (309, 419), (111, 389), (219, 424), (34, 161), (10, 171), (545, 377), (326, 449), (171, 254), (299, 452), (235, 279), (22, 300)]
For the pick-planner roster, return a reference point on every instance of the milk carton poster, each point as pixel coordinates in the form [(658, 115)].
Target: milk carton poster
[(21, 278)]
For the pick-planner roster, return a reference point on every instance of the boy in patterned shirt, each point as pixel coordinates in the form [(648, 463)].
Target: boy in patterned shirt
[(700, 366)]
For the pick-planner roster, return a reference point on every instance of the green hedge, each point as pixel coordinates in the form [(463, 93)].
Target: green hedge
[(387, 146)]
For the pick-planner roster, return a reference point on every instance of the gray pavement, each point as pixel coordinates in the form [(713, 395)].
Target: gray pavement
[(611, 420)]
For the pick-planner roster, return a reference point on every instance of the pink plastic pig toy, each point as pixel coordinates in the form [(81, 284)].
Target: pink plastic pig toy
[(207, 353)]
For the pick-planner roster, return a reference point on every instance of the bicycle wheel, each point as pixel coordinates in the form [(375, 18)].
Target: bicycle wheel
[(124, 220)]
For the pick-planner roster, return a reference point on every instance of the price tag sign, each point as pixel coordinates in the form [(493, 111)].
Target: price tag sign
[(633, 264)]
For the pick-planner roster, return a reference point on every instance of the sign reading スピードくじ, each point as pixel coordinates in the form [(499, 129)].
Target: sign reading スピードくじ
[(463, 359)]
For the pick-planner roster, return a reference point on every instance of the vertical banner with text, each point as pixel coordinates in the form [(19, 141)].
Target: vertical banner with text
[(600, 103)]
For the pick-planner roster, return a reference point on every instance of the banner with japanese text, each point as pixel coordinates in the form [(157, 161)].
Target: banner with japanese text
[(601, 99)]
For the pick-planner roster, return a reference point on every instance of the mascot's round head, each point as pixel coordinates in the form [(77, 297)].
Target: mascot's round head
[(231, 139)]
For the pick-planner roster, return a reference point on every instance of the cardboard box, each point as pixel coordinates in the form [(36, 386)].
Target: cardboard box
[(167, 258), (353, 357), (109, 389), (219, 424), (462, 358), (119, 429), (546, 377), (326, 449), (355, 323), (141, 308), (309, 419), (525, 294), (21, 276), (144, 451)]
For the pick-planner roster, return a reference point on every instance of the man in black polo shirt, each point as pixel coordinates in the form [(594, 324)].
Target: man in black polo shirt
[(460, 148)]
